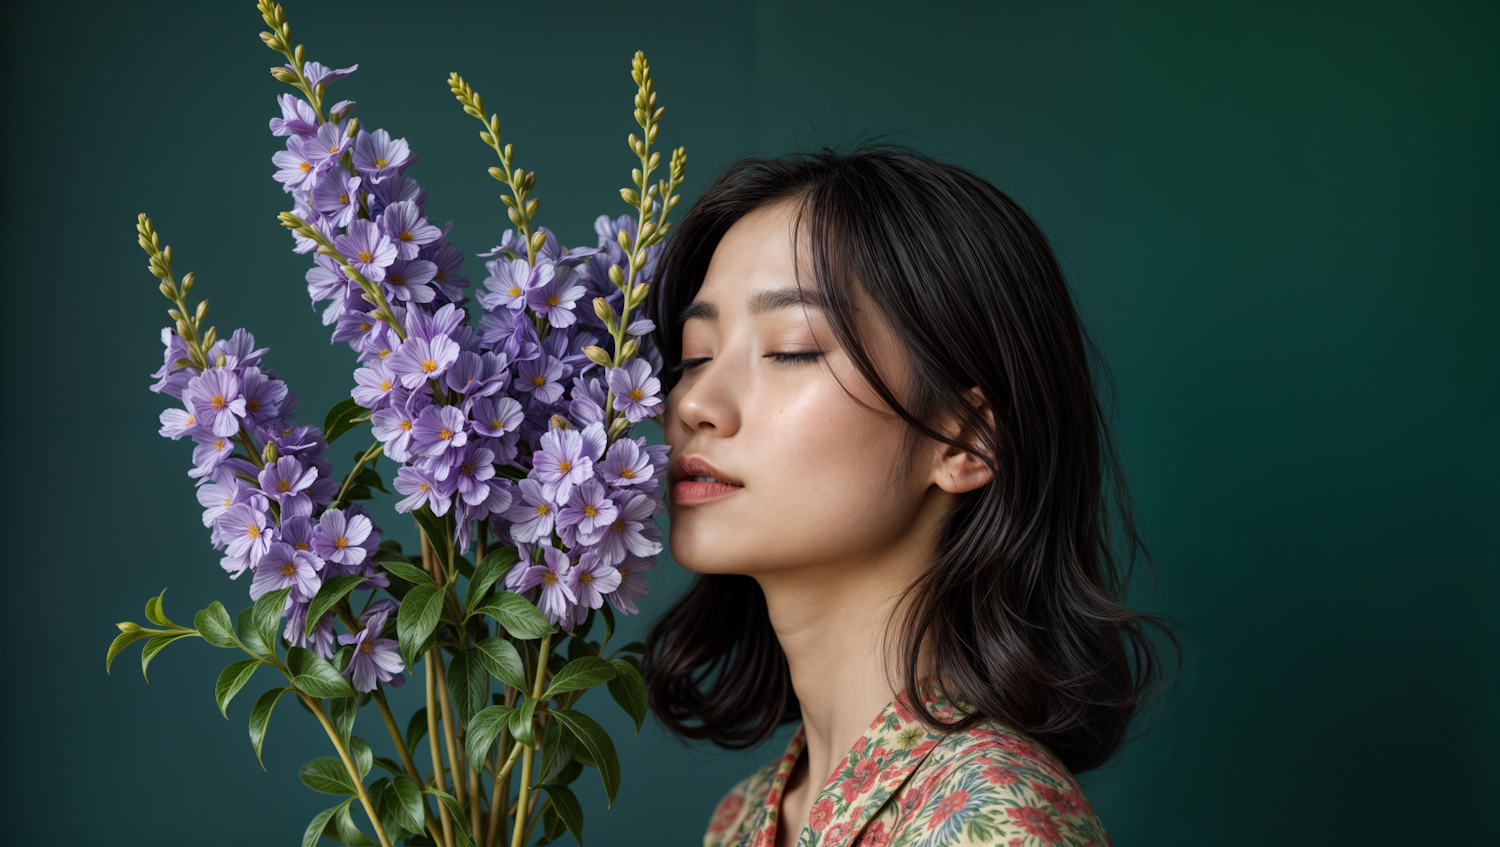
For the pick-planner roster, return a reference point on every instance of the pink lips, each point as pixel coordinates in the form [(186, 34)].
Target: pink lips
[(687, 492)]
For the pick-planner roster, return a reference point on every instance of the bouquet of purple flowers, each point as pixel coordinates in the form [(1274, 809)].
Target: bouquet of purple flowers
[(509, 429)]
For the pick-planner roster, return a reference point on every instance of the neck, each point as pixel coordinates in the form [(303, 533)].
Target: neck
[(835, 626)]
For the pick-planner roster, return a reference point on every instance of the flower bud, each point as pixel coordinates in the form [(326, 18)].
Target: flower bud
[(638, 294), (538, 238), (629, 195), (497, 174), (283, 75), (624, 239), (166, 255), (298, 55), (353, 127), (219, 361), (174, 314), (187, 282), (210, 337), (531, 206), (530, 181), (602, 308), (558, 422), (270, 453), (628, 351), (182, 328), (515, 217), (616, 275), (597, 356), (202, 310), (167, 292), (128, 626), (618, 427)]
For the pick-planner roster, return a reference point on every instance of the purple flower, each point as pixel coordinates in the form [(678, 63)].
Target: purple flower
[(249, 535), (632, 584), (317, 72), (297, 165), (635, 390), (531, 516), (478, 375), (394, 425), (297, 117), (588, 511), (471, 469), (393, 190), (367, 249), (626, 464), (212, 451), (419, 359), (631, 531), (408, 280), (555, 295), (224, 491), (561, 464), (215, 399), (541, 378), (591, 579), (286, 481), (508, 283), (331, 142), (379, 158), (374, 658), (339, 538), (494, 417), (285, 567), (557, 596), (423, 489), (403, 223), (175, 423), (375, 382), (321, 641), (337, 196), (263, 397), (437, 430), (449, 261), (298, 532)]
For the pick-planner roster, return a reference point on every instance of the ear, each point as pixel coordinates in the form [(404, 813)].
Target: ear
[(959, 471)]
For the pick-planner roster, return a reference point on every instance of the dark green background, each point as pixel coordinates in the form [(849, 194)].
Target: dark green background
[(1279, 218)]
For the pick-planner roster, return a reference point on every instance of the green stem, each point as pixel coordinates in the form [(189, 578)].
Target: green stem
[(434, 829), (528, 753), (359, 783), (375, 450)]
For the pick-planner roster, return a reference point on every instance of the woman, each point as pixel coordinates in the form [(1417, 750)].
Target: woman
[(893, 475)]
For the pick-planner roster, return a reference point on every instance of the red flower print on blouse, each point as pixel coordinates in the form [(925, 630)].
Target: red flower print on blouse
[(864, 777), (903, 709), (1034, 821), (1014, 842), (836, 834), (725, 814), (822, 813), (874, 836), (1062, 801), (997, 775), (952, 803)]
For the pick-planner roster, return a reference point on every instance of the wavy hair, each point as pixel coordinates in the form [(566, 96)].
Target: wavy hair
[(1023, 609)]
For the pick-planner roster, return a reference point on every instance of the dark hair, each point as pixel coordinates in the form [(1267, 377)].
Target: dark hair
[(1023, 608)]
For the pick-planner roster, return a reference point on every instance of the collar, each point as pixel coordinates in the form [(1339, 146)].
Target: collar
[(881, 761)]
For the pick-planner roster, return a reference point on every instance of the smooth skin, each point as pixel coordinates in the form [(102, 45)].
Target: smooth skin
[(836, 518)]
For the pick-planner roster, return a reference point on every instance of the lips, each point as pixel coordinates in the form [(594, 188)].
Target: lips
[(697, 481), (690, 465)]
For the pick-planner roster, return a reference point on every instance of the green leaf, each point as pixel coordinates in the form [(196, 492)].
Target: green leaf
[(566, 806), (231, 680), (329, 595), (491, 568), (327, 775), (558, 745), (155, 646), (629, 690), (416, 728), (633, 647), (483, 729), (406, 571), (454, 812), (596, 741), (419, 616), (552, 826), (381, 800), (123, 640), (581, 673), (360, 752), (521, 728), (342, 711), (154, 611), (338, 420), (468, 685), (249, 636), (315, 829), (436, 530), (348, 832), (517, 615), (260, 717), (314, 675), (609, 624), (389, 765), (266, 618), (407, 797), (215, 626), (500, 658), (370, 477), (571, 771)]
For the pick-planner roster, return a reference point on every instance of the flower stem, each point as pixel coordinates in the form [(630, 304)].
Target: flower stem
[(433, 828), (432, 710), (359, 783), (375, 450), (455, 764), (528, 754)]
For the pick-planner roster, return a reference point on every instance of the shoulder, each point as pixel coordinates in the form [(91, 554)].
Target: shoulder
[(990, 785), (730, 814)]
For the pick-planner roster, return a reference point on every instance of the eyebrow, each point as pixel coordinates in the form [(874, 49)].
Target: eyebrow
[(769, 300)]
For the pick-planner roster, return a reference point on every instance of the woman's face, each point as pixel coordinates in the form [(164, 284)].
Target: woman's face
[(819, 480)]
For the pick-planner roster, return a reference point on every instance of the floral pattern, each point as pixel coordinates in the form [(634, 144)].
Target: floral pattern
[(904, 786)]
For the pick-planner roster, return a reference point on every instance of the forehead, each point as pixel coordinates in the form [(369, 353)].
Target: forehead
[(754, 268)]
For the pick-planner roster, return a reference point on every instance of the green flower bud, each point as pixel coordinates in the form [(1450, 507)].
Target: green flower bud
[(174, 314), (209, 338), (219, 361), (168, 292), (537, 240), (624, 239), (558, 422), (202, 310), (616, 275), (532, 204), (638, 294), (283, 75), (128, 626), (353, 131), (182, 328), (618, 427), (515, 217), (629, 195), (187, 282), (602, 308), (597, 355), (628, 351), (497, 174)]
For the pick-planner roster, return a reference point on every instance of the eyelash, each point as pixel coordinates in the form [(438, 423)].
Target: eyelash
[(781, 358)]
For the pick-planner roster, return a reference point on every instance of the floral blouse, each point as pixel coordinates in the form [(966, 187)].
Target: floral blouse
[(904, 786)]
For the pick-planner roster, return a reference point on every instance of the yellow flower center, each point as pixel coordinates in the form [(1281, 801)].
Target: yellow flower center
[(445, 433), (423, 486), (539, 381), (636, 394), (406, 425), (380, 163), (466, 468), (405, 236), (364, 256), (627, 473), (302, 545), (219, 402), (385, 385), (253, 531), (340, 543), (552, 301), (288, 569), (384, 353), (497, 424), (344, 199), (590, 511), (228, 501), (284, 485), (543, 508), (306, 167), (618, 525), (586, 579), (366, 647), (191, 420), (549, 577), (515, 291), (440, 276), (428, 366), (218, 444), (564, 466), (396, 280), (365, 327), (252, 405)]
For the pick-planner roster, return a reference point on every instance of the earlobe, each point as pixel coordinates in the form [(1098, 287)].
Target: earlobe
[(961, 471)]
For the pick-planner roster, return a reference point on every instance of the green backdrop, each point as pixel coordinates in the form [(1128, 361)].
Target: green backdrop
[(1280, 220)]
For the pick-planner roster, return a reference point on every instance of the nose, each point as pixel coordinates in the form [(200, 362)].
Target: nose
[(706, 400)]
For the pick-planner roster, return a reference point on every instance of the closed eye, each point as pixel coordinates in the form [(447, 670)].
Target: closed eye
[(795, 358), (684, 365)]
